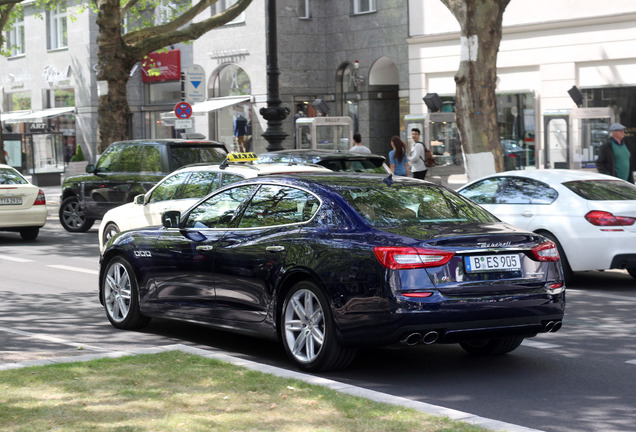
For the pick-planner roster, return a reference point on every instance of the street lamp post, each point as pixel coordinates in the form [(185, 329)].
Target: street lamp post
[(274, 113)]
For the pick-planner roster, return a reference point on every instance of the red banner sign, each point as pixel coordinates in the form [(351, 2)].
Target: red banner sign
[(161, 66)]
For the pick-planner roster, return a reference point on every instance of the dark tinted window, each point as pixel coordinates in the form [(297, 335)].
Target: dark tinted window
[(519, 190), (151, 159), (10, 176), (168, 188), (218, 211), (485, 191), (279, 205), (109, 160), (129, 160), (181, 155), (364, 165), (199, 185), (600, 190), (414, 205)]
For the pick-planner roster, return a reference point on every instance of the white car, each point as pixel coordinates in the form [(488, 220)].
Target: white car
[(22, 205), (590, 216), (183, 188)]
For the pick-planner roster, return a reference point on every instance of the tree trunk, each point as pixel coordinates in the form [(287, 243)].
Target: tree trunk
[(114, 64), (476, 80)]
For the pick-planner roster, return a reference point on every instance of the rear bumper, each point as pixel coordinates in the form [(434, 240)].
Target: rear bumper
[(624, 261), (33, 217), (456, 320)]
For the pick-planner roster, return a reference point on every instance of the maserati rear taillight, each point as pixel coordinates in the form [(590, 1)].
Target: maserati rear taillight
[(546, 252), (406, 257), (603, 218)]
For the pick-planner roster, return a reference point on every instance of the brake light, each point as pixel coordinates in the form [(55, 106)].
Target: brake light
[(603, 218), (40, 199), (406, 257), (546, 252)]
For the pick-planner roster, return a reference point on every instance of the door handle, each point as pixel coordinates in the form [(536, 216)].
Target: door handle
[(527, 214), (275, 248), (205, 247)]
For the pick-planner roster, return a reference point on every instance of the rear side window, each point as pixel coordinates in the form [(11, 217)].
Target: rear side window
[(279, 205), (526, 191), (603, 190), (151, 159), (187, 154)]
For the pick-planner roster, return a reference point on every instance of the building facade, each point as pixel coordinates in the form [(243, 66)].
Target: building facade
[(546, 50)]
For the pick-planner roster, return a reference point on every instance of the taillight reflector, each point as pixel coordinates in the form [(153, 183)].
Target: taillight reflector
[(400, 258), (418, 294), (546, 252), (603, 218), (40, 199)]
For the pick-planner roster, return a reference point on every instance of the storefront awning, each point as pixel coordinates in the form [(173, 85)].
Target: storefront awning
[(37, 115), (9, 116), (218, 103)]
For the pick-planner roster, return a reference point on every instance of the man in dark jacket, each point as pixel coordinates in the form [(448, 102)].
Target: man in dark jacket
[(614, 157)]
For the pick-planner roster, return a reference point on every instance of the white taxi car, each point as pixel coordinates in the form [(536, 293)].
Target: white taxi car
[(22, 205), (182, 188)]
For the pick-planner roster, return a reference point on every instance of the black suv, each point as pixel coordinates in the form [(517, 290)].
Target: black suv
[(127, 169), (331, 159)]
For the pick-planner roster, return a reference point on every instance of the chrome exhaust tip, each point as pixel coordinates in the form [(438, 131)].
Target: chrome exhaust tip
[(557, 325), (430, 337), (412, 339), (548, 326)]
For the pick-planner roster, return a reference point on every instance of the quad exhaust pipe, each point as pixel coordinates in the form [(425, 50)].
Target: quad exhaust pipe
[(552, 326), (416, 338)]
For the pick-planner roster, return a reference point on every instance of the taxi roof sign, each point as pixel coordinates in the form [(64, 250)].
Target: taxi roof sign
[(242, 157)]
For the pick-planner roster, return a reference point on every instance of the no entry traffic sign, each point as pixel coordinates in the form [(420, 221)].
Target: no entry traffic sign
[(183, 110)]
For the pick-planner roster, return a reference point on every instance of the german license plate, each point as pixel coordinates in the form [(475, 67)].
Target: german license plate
[(485, 263), (11, 201)]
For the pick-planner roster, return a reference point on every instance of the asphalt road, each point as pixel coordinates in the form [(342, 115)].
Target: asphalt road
[(579, 379)]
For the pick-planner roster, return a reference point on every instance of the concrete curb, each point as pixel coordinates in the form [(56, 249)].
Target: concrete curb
[(375, 396)]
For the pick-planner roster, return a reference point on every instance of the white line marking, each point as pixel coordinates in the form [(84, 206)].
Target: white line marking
[(75, 269), (631, 361), (14, 259), (50, 339)]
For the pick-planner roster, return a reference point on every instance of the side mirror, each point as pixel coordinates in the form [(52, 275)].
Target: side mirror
[(171, 219), (140, 199), (90, 168)]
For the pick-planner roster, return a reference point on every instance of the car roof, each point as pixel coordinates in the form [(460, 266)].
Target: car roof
[(178, 141), (549, 176), (345, 180), (249, 170), (324, 154)]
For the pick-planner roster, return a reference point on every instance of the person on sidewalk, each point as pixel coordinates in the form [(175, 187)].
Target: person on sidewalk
[(417, 156), (614, 158), (357, 145)]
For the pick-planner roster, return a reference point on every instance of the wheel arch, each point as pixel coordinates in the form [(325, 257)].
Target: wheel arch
[(291, 278)]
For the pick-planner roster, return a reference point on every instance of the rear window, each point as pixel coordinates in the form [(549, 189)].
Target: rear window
[(603, 190), (363, 165), (191, 153), (414, 205), (10, 176)]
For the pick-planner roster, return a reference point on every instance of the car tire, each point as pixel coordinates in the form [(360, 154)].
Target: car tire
[(110, 231), (567, 270), (120, 295), (72, 216), (490, 347), (308, 331), (29, 234), (632, 272)]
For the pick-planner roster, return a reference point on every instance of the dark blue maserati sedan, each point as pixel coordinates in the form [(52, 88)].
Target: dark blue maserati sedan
[(327, 263)]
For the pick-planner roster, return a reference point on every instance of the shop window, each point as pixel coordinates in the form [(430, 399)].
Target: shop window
[(18, 101), (516, 121), (223, 5), (346, 94), (57, 26), (363, 6), (14, 38), (163, 92)]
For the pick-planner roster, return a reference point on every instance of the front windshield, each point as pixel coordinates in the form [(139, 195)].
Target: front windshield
[(414, 205)]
